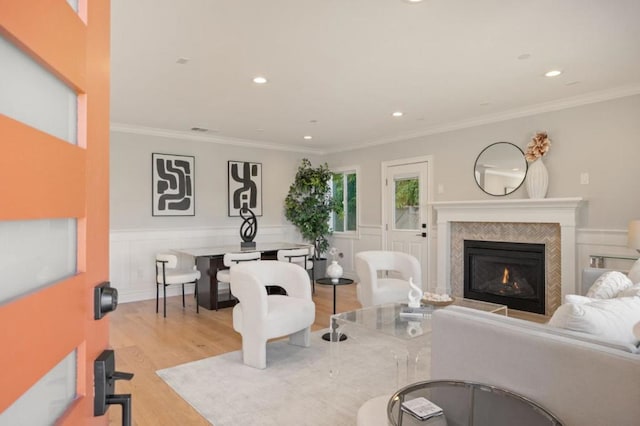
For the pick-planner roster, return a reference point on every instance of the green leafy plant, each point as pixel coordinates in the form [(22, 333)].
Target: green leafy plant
[(309, 204)]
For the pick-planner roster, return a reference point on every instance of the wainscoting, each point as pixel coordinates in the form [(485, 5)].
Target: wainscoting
[(132, 251)]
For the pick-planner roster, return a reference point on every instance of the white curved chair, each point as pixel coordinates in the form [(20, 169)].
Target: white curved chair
[(302, 257), (167, 273), (374, 290), (230, 259), (259, 316)]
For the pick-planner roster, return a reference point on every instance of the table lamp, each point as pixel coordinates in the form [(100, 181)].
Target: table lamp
[(634, 235)]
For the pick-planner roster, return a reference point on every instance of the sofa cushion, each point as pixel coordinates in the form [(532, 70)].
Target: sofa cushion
[(634, 273), (632, 291), (608, 285), (610, 318), (577, 299)]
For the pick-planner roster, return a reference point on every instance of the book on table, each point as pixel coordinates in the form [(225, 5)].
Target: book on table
[(421, 408)]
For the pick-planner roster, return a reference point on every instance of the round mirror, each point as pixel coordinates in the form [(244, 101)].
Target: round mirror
[(500, 168)]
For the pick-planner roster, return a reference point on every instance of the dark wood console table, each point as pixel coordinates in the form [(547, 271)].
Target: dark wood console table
[(209, 262)]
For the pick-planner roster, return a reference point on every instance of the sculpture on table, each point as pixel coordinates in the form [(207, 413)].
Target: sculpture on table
[(249, 227), (415, 294)]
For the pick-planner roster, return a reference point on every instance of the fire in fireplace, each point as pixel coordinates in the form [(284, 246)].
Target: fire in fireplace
[(511, 274)]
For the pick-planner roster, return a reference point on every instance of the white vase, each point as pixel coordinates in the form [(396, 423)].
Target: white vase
[(537, 180), (334, 271)]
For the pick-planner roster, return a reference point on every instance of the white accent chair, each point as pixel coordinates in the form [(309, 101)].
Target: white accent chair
[(373, 289), (229, 259), (302, 257), (259, 317), (168, 273)]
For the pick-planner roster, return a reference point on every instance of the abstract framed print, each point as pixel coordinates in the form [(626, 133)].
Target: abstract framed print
[(173, 185), (245, 187)]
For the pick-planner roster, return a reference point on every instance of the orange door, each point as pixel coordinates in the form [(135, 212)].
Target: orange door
[(46, 180)]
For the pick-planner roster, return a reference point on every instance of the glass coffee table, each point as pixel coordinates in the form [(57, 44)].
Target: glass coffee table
[(468, 403), (410, 336)]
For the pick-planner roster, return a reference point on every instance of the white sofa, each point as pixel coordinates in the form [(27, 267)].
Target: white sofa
[(584, 380)]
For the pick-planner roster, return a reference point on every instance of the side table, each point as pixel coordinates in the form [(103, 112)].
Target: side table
[(329, 281)]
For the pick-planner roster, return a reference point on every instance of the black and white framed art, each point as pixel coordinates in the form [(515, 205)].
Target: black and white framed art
[(173, 185), (245, 187)]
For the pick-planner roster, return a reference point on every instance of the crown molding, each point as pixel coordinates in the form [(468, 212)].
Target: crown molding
[(222, 140), (557, 105)]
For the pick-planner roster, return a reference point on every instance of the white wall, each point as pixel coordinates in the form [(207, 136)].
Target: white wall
[(602, 139), (136, 235)]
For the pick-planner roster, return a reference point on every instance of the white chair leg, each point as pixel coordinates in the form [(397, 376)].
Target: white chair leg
[(301, 338), (254, 353)]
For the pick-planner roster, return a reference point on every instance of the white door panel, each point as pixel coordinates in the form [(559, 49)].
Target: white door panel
[(406, 196)]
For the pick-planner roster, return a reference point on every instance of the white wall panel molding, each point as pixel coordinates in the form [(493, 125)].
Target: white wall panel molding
[(132, 253)]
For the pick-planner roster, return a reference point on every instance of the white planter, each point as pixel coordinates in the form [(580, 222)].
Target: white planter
[(334, 271), (537, 180)]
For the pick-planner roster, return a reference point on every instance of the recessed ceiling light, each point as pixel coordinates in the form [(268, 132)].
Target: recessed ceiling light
[(552, 73), (413, 1), (308, 137), (398, 114), (199, 129), (259, 80)]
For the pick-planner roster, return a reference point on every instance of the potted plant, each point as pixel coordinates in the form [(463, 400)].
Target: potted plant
[(309, 205)]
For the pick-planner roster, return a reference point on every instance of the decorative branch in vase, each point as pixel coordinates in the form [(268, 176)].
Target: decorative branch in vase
[(537, 181)]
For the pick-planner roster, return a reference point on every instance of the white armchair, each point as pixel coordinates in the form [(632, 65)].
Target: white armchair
[(259, 316), (373, 290)]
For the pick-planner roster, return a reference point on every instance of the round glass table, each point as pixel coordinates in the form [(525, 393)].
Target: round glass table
[(468, 403)]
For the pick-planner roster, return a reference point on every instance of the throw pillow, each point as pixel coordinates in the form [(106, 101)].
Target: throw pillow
[(608, 285), (632, 291), (634, 273), (578, 299), (611, 318)]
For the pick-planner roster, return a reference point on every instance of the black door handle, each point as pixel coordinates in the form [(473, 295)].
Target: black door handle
[(105, 376)]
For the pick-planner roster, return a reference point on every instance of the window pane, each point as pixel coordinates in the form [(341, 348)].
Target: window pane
[(351, 202), (32, 95), (48, 399), (35, 253), (338, 194), (407, 203), (73, 4)]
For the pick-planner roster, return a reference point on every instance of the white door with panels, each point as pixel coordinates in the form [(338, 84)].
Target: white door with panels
[(405, 212)]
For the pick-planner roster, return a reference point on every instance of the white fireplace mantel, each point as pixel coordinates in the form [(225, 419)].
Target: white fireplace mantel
[(563, 211)]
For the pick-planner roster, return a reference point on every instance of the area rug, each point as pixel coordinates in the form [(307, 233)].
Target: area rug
[(296, 388)]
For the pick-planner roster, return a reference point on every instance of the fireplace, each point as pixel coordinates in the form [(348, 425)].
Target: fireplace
[(507, 273)]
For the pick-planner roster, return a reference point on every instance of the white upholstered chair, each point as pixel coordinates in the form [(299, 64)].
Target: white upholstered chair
[(374, 288), (259, 316), (230, 259), (168, 273), (302, 257)]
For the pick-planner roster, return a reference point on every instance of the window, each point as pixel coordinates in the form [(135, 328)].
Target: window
[(344, 186)]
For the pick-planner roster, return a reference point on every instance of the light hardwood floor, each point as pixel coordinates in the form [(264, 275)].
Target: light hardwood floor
[(145, 342)]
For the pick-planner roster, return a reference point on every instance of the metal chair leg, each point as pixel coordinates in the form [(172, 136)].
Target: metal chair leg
[(165, 300), (157, 296), (183, 305), (197, 299)]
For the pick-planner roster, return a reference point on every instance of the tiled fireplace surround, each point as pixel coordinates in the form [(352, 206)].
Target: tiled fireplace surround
[(548, 221)]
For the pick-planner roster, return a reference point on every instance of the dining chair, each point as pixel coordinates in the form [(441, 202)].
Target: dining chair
[(230, 259), (302, 257), (168, 273)]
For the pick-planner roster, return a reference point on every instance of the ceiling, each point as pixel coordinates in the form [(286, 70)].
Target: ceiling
[(338, 69)]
